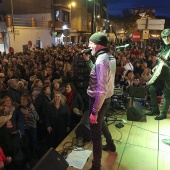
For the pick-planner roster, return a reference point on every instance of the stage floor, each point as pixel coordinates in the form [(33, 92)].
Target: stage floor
[(139, 144)]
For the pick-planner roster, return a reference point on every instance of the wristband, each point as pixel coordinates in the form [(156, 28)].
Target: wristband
[(94, 113)]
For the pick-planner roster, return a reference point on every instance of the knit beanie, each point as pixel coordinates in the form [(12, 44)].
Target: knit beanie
[(165, 32), (99, 38)]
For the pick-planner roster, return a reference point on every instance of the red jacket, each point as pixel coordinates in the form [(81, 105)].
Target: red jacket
[(2, 156)]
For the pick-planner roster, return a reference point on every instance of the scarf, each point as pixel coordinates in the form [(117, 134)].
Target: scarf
[(69, 99), (48, 96), (9, 110)]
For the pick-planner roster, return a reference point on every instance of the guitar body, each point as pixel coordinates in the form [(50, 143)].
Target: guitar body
[(157, 69), (156, 74)]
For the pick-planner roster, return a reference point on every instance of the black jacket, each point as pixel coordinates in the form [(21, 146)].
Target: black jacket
[(42, 103), (77, 101), (58, 118)]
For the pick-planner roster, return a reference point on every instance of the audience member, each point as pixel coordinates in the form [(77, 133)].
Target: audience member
[(145, 76), (10, 144), (129, 81), (137, 68), (36, 88), (10, 75), (75, 103), (58, 87), (128, 66), (12, 90), (10, 109), (58, 118), (42, 103), (3, 159), (30, 124), (22, 87)]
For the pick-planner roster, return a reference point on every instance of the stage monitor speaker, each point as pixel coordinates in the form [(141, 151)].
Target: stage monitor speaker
[(83, 128), (137, 92), (52, 160), (135, 112)]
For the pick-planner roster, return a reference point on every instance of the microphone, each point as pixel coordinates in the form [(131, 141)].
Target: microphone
[(122, 46), (85, 51)]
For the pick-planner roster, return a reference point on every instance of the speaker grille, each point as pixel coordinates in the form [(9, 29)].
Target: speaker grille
[(83, 128), (135, 112)]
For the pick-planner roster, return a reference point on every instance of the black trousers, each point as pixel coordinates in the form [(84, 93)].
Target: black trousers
[(97, 129)]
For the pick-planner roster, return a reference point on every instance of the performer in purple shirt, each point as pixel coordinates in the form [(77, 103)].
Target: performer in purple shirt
[(100, 90)]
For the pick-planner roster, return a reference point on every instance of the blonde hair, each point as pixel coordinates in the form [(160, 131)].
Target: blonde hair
[(35, 83), (63, 98), (4, 98), (20, 86)]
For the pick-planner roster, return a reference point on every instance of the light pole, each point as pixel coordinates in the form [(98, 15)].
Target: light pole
[(146, 27), (73, 4), (98, 16), (66, 29), (12, 13), (52, 17), (93, 16)]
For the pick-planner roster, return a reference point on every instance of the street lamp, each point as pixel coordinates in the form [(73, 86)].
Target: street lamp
[(73, 4)]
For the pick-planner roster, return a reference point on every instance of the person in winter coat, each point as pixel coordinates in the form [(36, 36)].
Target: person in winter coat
[(75, 103), (58, 121)]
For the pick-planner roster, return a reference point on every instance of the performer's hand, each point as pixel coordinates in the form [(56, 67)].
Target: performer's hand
[(9, 160), (32, 106), (49, 129), (93, 118), (155, 68), (160, 60), (1, 165), (86, 57), (24, 111)]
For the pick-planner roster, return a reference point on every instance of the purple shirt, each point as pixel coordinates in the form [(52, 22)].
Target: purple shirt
[(102, 79)]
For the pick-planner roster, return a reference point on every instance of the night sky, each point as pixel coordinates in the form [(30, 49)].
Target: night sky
[(162, 7)]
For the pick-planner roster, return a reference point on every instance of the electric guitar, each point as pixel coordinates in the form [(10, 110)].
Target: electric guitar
[(158, 68)]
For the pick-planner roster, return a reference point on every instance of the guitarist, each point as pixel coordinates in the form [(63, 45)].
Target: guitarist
[(162, 81)]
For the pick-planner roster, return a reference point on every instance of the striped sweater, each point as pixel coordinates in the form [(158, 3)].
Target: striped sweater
[(31, 119)]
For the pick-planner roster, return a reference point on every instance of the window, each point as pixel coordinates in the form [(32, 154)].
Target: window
[(57, 15), (84, 21), (65, 16)]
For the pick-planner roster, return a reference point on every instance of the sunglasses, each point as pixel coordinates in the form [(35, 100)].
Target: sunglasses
[(164, 37)]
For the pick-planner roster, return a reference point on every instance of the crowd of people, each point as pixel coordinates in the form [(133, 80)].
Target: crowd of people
[(39, 101), (38, 93)]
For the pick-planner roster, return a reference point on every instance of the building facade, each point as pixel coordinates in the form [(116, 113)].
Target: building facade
[(57, 20)]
